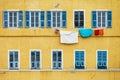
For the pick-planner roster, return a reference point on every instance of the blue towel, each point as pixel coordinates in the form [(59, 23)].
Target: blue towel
[(86, 32)]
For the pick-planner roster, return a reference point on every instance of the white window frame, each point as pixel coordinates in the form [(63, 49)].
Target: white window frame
[(12, 16), (57, 10), (52, 59), (40, 58), (18, 60), (74, 17), (84, 58), (97, 58), (101, 18), (39, 17)]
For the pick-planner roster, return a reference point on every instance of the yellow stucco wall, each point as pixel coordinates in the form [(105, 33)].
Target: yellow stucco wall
[(45, 39)]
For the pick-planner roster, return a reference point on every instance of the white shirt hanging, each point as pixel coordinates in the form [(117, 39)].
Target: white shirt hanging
[(68, 37)]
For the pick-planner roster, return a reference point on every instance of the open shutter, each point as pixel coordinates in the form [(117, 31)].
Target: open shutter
[(5, 13), (109, 19), (94, 21), (63, 19), (48, 19), (20, 18), (27, 19), (42, 19)]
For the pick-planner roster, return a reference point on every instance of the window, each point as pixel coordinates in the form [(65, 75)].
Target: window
[(56, 19), (79, 19), (101, 59), (57, 60), (13, 60), (101, 19), (79, 59), (13, 19), (35, 59), (34, 19)]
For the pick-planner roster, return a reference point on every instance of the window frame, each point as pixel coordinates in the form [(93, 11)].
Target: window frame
[(97, 58), (36, 10), (40, 59), (12, 10), (84, 59), (52, 59), (106, 24), (18, 59), (57, 10), (74, 17)]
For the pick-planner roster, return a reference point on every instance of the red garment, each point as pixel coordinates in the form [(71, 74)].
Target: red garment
[(96, 32)]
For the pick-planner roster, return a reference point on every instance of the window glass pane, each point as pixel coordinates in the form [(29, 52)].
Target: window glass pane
[(11, 56), (81, 23), (99, 13), (54, 56), (103, 13), (32, 56), (54, 65), (76, 24), (58, 13), (32, 14), (37, 56), (11, 20), (33, 64), (38, 65), (59, 65), (16, 56), (59, 56), (11, 65), (81, 15), (16, 64), (76, 15)]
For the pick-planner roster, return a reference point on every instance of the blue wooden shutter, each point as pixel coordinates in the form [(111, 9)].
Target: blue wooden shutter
[(82, 58), (63, 19), (48, 19), (27, 19), (77, 59), (94, 21), (99, 59), (104, 58), (109, 19), (20, 18), (5, 19), (42, 19)]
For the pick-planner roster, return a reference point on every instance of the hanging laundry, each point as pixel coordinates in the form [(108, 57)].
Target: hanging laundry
[(86, 32), (96, 32), (68, 37), (101, 32)]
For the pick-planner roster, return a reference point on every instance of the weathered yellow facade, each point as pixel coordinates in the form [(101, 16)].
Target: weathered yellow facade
[(45, 39)]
